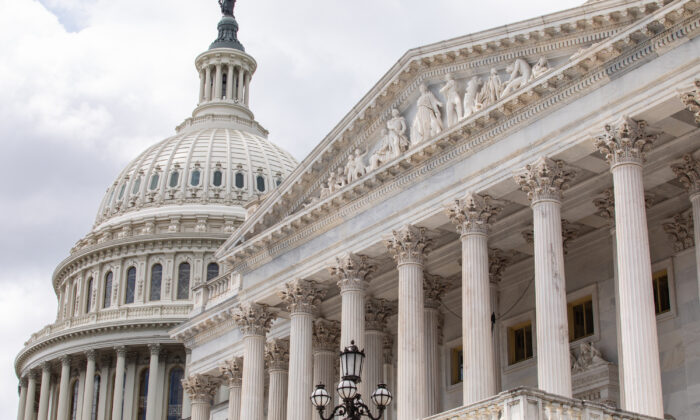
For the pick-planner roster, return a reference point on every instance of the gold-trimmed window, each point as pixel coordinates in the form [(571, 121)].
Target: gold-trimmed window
[(580, 314), (456, 365), (519, 342), (662, 293)]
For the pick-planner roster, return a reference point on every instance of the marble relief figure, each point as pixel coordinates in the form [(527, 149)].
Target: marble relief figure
[(520, 73), (354, 169), (540, 68), (491, 91), (397, 130), (472, 104), (428, 121), (453, 104)]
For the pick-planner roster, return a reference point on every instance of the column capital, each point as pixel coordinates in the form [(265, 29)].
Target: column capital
[(120, 350), (625, 141), (277, 354), (90, 355), (692, 100), (409, 245), (352, 271), (32, 375), (326, 335), (498, 262), (680, 231), (232, 370), (377, 311), (545, 179), (474, 213), (23, 382), (302, 296), (433, 288), (253, 318), (200, 387), (569, 232), (154, 349), (46, 366), (688, 173)]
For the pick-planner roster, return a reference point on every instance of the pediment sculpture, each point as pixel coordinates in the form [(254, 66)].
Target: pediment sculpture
[(588, 357)]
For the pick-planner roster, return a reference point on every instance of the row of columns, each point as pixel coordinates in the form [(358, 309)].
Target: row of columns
[(212, 84)]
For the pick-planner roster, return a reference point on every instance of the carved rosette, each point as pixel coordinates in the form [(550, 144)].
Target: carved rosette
[(680, 231), (277, 354), (409, 245), (692, 100), (253, 318), (200, 387), (474, 213), (497, 263), (545, 179), (303, 296), (352, 271), (625, 141), (388, 349), (377, 311), (688, 173), (232, 371), (433, 288), (326, 335)]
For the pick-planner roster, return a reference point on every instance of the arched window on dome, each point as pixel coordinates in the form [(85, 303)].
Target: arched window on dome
[(107, 299), (194, 177), (183, 281), (156, 280), (278, 181), (212, 270), (174, 179), (95, 403), (224, 85), (143, 395), (217, 178), (155, 178), (260, 183), (137, 186), (74, 400), (130, 285), (175, 394), (121, 191), (240, 180), (88, 295)]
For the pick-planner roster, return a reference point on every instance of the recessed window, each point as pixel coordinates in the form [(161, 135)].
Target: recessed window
[(156, 279), (121, 191), (183, 281), (108, 290), (519, 343), (212, 271), (143, 395), (217, 178), (130, 285), (194, 178), (137, 186), (662, 293), (154, 182), (240, 180), (175, 394), (580, 314), (88, 295), (456, 365), (174, 179), (260, 183)]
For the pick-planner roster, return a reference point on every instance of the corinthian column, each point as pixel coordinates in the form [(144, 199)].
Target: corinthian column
[(388, 371), (31, 395), (63, 390), (352, 272), (89, 391), (376, 313), (409, 246), (302, 298), (688, 173), (277, 359), (233, 372), (326, 340), (254, 321), (44, 392), (433, 288), (624, 144), (119, 383), (22, 398), (544, 182), (153, 381), (473, 216), (201, 390)]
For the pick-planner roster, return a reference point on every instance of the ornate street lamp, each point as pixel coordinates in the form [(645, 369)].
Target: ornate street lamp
[(353, 408)]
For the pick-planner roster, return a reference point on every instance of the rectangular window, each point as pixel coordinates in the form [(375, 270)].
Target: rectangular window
[(580, 313), (519, 343), (662, 294), (457, 365)]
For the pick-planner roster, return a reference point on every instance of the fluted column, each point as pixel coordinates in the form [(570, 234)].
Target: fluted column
[(186, 403), (153, 381), (201, 389), (624, 144), (688, 173), (473, 217), (246, 88), (202, 81), (22, 398), (218, 82), (254, 321), (433, 288), (409, 246), (105, 373), (44, 391), (302, 298), (388, 372), (239, 85), (119, 383), (544, 182), (31, 395), (376, 313), (64, 392), (497, 263), (207, 84), (89, 384), (229, 84), (277, 360), (326, 341), (233, 372), (352, 272)]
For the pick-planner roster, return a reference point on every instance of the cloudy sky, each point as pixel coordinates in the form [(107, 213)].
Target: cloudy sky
[(85, 85)]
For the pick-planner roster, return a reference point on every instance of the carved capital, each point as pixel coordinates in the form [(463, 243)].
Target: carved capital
[(409, 245), (569, 232), (688, 173), (326, 335), (474, 213), (65, 360), (277, 354), (90, 355), (497, 263), (154, 349), (377, 311), (46, 366), (692, 100), (388, 349), (232, 370), (433, 289), (253, 318), (680, 231), (352, 271), (200, 387), (625, 141), (121, 351), (23, 382), (545, 179), (303, 296)]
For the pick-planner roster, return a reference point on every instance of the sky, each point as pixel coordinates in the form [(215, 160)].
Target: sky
[(86, 85)]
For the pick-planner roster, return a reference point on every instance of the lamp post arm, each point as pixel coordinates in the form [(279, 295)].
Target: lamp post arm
[(337, 411), (363, 410)]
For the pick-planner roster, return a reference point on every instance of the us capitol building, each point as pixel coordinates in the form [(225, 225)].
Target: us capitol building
[(504, 223)]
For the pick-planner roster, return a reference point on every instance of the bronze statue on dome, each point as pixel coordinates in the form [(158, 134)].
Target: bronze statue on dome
[(227, 7)]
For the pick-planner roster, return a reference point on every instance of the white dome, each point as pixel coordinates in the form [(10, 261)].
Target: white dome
[(199, 170)]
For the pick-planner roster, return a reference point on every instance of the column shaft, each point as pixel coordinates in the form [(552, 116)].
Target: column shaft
[(186, 404), (153, 380), (432, 360), (352, 324), (695, 199), (246, 87), (229, 83), (218, 82), (324, 372), (207, 84), (102, 413), (640, 348), (234, 402), (201, 410), (252, 392), (202, 81), (64, 391), (277, 406), (119, 384), (300, 366), (373, 373), (44, 392), (239, 85), (22, 401), (31, 395), (89, 386)]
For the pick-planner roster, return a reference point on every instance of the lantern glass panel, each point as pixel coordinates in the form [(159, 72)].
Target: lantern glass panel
[(381, 397), (347, 389), (320, 397)]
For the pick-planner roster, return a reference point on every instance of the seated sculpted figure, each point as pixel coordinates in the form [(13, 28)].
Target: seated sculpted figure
[(520, 73), (383, 154), (540, 68), (428, 121), (491, 91)]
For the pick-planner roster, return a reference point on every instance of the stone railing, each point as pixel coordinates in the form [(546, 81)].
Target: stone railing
[(532, 404), (215, 291)]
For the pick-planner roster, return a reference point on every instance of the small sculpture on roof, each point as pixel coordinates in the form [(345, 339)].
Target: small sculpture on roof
[(227, 7)]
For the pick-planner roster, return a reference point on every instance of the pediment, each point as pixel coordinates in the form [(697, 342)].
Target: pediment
[(495, 74)]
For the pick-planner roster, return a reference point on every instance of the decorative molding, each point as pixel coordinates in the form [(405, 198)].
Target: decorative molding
[(277, 354), (545, 180), (688, 172), (680, 231), (409, 245), (692, 100), (302, 296), (474, 213), (625, 141), (253, 318), (352, 271)]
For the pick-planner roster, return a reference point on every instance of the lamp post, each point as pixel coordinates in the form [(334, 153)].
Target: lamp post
[(353, 408)]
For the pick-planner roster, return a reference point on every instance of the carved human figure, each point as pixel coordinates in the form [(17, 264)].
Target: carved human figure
[(354, 169), (397, 130), (453, 104), (340, 178), (471, 100), (383, 154), (540, 68), (428, 121), (227, 7), (520, 73), (491, 91)]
